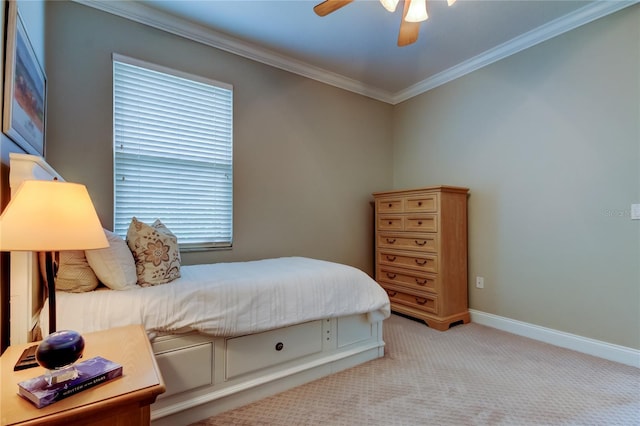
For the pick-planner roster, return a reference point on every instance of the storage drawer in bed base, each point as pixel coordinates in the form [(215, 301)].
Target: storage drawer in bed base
[(253, 352), (177, 355)]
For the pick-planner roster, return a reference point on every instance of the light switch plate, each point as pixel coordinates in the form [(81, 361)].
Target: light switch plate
[(635, 211)]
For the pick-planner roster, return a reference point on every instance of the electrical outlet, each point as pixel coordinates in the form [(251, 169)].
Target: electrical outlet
[(479, 282)]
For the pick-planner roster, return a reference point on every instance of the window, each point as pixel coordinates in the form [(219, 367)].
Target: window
[(173, 152)]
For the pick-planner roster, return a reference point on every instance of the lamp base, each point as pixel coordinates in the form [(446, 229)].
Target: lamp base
[(55, 377)]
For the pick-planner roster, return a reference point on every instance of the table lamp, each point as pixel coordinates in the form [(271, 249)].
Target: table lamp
[(51, 216)]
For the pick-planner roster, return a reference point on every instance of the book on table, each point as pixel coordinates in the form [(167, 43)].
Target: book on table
[(92, 372)]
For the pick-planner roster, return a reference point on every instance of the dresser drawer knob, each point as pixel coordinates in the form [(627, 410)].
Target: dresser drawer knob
[(421, 300), (391, 258), (279, 346), (391, 293), (391, 240), (390, 223), (421, 262), (419, 203), (390, 205), (419, 222), (421, 282), (391, 276), (421, 243)]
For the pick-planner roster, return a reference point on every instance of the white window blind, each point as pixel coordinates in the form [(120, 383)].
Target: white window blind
[(173, 152)]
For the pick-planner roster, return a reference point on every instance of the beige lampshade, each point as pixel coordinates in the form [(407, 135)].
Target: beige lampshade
[(51, 216)]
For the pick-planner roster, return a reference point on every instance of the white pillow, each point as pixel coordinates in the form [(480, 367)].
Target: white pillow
[(114, 266)]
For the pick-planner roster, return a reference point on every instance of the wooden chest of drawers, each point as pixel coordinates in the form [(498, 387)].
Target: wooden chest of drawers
[(421, 253)]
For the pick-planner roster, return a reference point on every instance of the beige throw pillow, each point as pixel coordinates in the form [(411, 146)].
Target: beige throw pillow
[(114, 265), (156, 253), (74, 273)]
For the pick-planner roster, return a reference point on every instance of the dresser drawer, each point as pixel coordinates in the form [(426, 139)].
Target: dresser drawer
[(412, 223), (400, 241), (414, 280), (421, 223), (390, 223), (255, 351), (390, 205), (421, 203), (415, 261), (424, 302)]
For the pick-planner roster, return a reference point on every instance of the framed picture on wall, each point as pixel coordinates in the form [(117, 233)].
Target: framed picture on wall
[(25, 91)]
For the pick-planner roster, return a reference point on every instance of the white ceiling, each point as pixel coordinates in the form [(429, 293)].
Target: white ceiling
[(355, 47)]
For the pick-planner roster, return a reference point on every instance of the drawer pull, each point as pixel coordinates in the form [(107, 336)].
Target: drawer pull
[(391, 258), (421, 300), (390, 275), (421, 243), (390, 205), (421, 282), (421, 262), (391, 293), (419, 222), (390, 223), (391, 240), (419, 203), (279, 346)]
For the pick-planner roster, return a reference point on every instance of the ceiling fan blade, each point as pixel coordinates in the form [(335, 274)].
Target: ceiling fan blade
[(408, 30), (328, 6)]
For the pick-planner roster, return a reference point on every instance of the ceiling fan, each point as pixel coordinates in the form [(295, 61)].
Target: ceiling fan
[(415, 11)]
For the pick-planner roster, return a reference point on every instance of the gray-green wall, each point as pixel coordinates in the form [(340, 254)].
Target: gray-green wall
[(548, 141), (306, 155)]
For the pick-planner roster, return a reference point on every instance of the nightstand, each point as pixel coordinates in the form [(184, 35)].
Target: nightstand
[(125, 400)]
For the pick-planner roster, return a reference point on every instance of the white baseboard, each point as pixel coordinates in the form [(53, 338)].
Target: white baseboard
[(609, 351)]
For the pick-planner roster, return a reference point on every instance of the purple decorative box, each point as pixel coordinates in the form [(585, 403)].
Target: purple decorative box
[(92, 372)]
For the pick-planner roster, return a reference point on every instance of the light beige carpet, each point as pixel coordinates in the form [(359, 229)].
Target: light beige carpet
[(469, 375)]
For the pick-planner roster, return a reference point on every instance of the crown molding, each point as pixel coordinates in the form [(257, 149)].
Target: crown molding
[(142, 14), (536, 36), (163, 21)]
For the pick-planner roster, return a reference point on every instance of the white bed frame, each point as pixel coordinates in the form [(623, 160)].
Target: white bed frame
[(207, 375)]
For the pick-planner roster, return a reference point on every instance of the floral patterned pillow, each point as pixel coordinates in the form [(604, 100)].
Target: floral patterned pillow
[(155, 251)]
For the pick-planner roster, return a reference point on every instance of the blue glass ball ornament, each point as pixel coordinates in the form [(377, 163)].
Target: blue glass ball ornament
[(60, 349)]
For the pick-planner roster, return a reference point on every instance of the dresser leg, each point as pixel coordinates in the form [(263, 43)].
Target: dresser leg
[(443, 324)]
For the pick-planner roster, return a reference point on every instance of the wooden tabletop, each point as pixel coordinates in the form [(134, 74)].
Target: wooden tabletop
[(141, 381)]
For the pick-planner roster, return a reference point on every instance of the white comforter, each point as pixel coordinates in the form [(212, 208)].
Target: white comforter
[(229, 299)]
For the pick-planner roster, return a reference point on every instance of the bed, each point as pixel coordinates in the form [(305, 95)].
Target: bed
[(224, 334)]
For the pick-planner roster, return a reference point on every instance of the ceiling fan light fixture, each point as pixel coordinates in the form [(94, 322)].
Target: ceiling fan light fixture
[(390, 5), (417, 11)]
